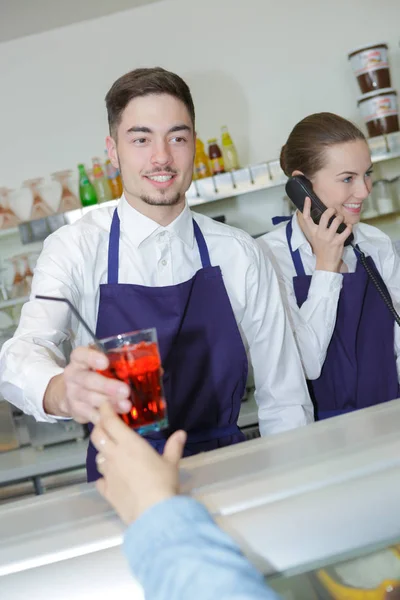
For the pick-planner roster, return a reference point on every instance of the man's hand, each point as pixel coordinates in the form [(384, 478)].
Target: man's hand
[(79, 391), (135, 476)]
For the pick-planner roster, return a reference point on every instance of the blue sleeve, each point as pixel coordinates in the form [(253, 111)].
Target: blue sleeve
[(176, 551)]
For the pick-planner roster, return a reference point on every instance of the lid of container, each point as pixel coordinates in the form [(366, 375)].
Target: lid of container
[(382, 92), (212, 141), (367, 47)]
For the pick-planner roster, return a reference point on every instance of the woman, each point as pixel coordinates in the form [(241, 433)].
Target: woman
[(347, 337)]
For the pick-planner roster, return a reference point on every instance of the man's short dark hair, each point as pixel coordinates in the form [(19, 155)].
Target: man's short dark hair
[(143, 82)]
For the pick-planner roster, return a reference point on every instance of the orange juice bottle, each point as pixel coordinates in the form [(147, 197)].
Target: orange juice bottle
[(114, 178), (201, 164)]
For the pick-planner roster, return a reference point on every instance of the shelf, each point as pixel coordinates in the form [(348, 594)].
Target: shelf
[(8, 232), (13, 302), (384, 157), (228, 185), (262, 176), (379, 217)]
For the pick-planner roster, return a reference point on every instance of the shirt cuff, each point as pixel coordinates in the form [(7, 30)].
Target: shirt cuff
[(160, 525), (34, 393), (326, 283)]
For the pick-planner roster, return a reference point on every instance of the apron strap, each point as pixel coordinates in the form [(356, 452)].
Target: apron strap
[(298, 264), (278, 219), (113, 250), (201, 243)]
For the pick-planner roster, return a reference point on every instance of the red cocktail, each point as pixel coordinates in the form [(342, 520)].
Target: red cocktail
[(135, 359)]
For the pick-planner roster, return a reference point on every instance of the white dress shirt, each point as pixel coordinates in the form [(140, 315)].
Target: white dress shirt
[(73, 264), (314, 322)]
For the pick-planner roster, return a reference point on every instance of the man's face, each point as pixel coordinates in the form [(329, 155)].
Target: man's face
[(154, 150)]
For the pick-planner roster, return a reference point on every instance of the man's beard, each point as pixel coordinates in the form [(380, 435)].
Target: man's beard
[(162, 200)]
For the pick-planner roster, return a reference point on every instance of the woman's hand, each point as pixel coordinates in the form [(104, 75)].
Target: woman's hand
[(327, 244), (135, 476)]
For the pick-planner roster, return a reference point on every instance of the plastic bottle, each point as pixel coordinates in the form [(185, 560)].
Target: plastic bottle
[(87, 193), (114, 178), (201, 164), (100, 182), (229, 153), (215, 155)]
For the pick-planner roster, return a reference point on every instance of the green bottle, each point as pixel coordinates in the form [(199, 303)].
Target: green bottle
[(87, 193)]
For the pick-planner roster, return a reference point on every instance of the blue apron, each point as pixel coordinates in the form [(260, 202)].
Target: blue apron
[(360, 365), (202, 352)]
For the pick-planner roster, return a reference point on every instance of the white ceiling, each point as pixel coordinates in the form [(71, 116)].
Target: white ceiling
[(25, 17)]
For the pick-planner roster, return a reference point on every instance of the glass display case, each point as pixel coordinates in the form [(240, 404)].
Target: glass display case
[(375, 576), (316, 509)]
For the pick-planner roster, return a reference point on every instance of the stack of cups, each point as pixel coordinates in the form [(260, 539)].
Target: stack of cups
[(378, 103)]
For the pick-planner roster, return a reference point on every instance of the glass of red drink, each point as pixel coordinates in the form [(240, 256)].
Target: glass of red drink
[(135, 359)]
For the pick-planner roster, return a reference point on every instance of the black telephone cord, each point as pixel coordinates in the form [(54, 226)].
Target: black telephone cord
[(384, 295)]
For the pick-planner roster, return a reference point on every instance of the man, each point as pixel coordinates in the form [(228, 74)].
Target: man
[(152, 263), (183, 553)]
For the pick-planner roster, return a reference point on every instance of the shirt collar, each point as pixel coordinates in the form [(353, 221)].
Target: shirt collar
[(139, 228), (299, 239)]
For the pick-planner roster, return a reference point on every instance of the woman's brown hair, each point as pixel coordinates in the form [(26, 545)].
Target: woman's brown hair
[(305, 148)]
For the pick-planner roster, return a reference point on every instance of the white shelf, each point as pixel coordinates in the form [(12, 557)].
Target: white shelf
[(263, 176), (13, 302), (8, 232), (243, 181), (383, 157)]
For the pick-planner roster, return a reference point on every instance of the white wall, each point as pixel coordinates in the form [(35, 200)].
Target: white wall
[(256, 65)]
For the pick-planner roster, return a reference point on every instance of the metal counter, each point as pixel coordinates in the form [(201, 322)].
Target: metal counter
[(272, 494)]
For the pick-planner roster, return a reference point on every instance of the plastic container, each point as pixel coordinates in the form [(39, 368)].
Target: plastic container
[(369, 208), (380, 112), (371, 67), (229, 152), (101, 183), (395, 184), (382, 195)]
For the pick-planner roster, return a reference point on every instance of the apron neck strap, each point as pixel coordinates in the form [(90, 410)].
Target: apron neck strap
[(298, 264), (201, 243), (113, 248)]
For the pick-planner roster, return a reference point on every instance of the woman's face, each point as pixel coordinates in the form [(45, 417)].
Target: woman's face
[(345, 180)]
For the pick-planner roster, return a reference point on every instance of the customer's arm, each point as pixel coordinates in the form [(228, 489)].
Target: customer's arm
[(176, 551), (174, 548)]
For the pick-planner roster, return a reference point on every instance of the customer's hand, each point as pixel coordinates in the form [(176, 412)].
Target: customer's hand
[(327, 244), (79, 391), (135, 476)]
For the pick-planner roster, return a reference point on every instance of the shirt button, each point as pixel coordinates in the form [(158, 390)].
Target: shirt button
[(162, 234), (163, 262)]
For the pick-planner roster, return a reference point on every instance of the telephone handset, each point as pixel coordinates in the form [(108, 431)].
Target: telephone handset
[(298, 188)]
